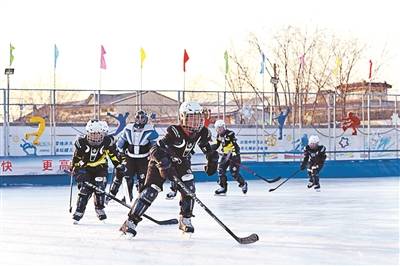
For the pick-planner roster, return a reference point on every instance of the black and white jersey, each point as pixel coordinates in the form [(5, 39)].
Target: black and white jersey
[(86, 155), (228, 142), (136, 142), (315, 157), (182, 145)]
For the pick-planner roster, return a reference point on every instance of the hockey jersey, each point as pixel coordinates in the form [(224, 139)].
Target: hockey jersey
[(228, 142), (86, 155), (136, 142), (315, 157), (181, 145)]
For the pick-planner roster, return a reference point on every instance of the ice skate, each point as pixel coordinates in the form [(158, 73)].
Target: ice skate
[(128, 228), (101, 214), (310, 184), (185, 225), (244, 188), (317, 188), (221, 191), (171, 195), (77, 216)]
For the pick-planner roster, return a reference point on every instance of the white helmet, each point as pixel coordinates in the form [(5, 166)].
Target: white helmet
[(95, 132), (220, 126), (191, 116), (313, 139)]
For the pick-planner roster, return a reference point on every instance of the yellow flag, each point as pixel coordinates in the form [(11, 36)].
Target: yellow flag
[(338, 66), (142, 57)]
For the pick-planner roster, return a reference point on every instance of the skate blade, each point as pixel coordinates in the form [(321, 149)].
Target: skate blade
[(317, 190), (222, 194), (75, 222), (186, 235), (169, 198)]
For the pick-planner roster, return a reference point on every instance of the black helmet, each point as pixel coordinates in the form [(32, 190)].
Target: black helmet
[(141, 119)]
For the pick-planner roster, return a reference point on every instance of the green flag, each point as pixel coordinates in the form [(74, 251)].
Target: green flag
[(226, 62), (11, 54)]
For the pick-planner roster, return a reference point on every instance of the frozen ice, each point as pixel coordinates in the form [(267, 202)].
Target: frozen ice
[(351, 221)]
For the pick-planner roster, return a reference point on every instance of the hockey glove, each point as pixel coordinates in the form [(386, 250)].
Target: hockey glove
[(121, 168), (80, 175), (212, 163)]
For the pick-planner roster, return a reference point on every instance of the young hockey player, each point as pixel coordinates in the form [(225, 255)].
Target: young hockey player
[(230, 158), (314, 158), (134, 145), (89, 164), (170, 157), (207, 119)]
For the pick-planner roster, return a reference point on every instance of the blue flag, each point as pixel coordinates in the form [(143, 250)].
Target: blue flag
[(56, 53), (262, 63)]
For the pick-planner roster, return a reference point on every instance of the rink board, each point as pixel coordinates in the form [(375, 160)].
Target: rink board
[(332, 169)]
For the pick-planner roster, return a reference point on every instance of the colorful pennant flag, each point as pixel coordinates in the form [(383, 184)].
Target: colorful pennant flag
[(103, 64), (226, 56), (185, 59), (142, 57), (56, 53), (262, 63), (11, 54), (338, 66)]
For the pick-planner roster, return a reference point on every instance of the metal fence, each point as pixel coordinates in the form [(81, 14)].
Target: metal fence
[(273, 125)]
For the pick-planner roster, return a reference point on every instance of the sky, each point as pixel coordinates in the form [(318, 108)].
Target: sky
[(164, 29)]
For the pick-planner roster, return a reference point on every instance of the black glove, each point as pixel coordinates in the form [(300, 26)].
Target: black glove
[(121, 168), (302, 166), (80, 175), (212, 162)]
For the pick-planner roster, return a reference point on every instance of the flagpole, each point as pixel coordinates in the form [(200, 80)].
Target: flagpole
[(52, 116), (97, 116), (223, 115), (263, 111), (184, 85), (141, 88)]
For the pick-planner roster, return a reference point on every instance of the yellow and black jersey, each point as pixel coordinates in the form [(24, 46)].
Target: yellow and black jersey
[(228, 143), (86, 155)]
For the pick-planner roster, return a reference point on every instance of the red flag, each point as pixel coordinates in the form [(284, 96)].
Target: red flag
[(370, 69), (185, 59), (103, 64)]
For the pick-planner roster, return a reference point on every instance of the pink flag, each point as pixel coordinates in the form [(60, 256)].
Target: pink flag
[(103, 64), (370, 69)]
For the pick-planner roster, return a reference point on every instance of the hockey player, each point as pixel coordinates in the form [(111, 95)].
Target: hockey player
[(314, 158), (230, 158), (89, 164), (207, 119), (170, 157), (134, 145)]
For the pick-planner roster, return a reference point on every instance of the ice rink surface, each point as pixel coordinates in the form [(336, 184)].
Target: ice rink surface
[(351, 221)]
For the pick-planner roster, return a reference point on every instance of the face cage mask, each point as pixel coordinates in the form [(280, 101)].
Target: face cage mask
[(193, 122), (313, 146), (95, 138), (141, 119)]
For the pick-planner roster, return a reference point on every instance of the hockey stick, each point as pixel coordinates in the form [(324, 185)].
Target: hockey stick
[(257, 175), (126, 191), (247, 169), (162, 222), (292, 175), (71, 181), (242, 240)]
